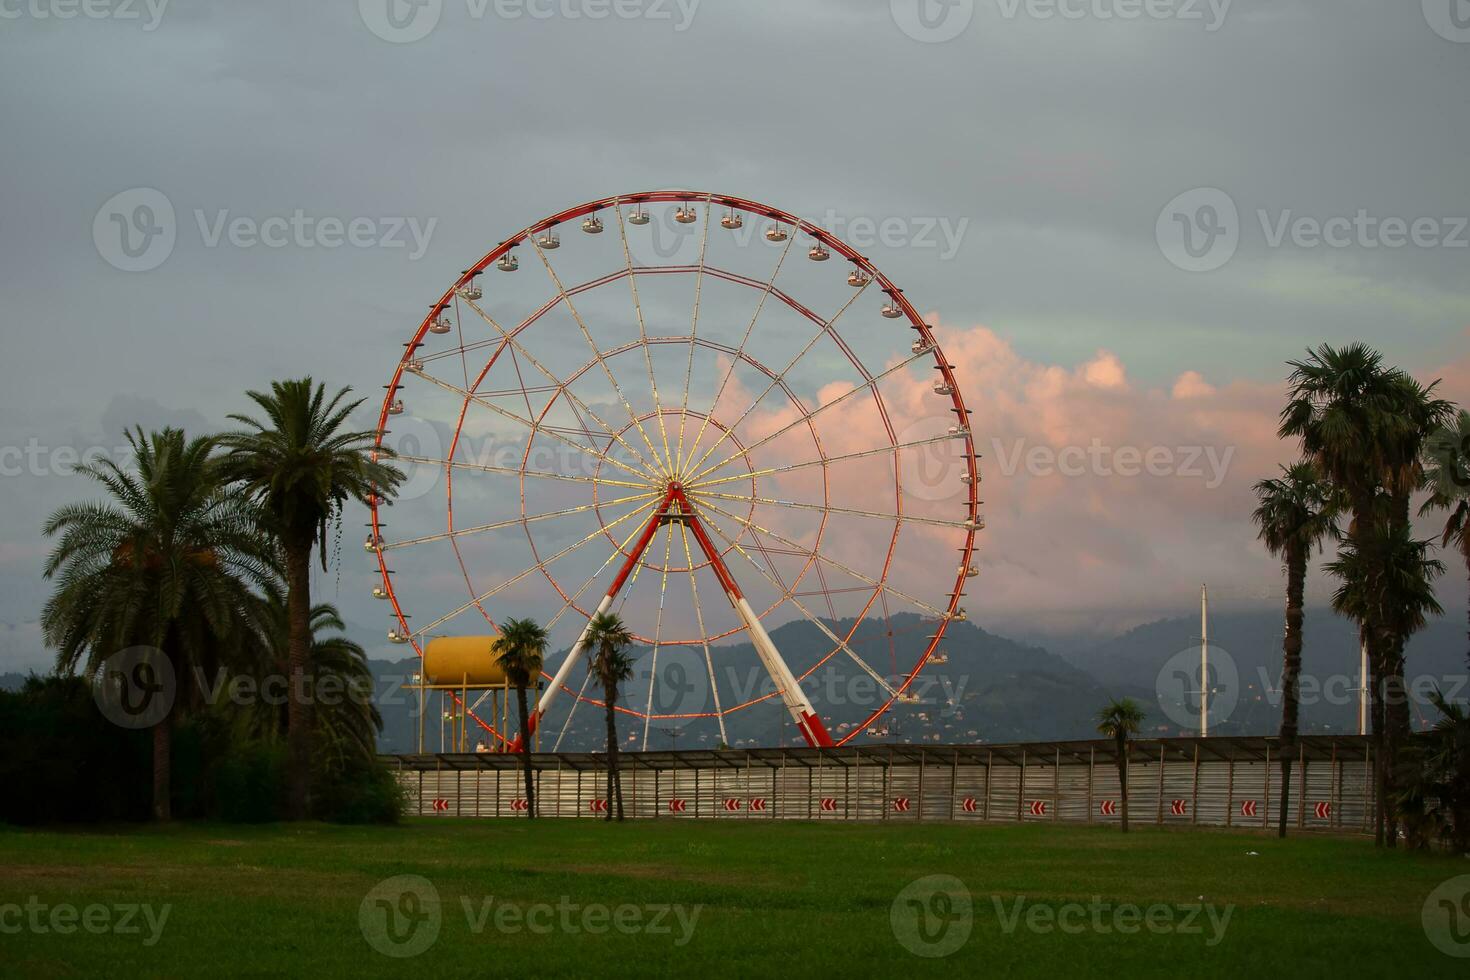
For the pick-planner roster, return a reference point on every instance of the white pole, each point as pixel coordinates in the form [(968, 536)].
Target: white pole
[(1204, 661), (1362, 686)]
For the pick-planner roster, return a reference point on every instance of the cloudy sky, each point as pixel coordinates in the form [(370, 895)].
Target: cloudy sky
[(1122, 217)]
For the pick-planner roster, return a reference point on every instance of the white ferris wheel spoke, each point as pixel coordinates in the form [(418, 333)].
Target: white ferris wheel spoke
[(551, 624), (658, 631), (693, 334), (642, 330), (709, 663), (647, 477), (517, 471), (789, 595), (823, 331), (539, 566), (683, 466), (564, 387), (775, 536), (829, 509), (518, 521), (596, 353), (870, 383), (823, 461)]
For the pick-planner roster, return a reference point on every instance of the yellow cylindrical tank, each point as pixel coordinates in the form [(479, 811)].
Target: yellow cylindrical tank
[(454, 661)]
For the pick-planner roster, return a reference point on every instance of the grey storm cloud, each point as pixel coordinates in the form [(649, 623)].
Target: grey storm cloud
[(1054, 133)]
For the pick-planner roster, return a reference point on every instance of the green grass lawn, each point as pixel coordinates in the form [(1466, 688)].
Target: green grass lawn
[(687, 899)]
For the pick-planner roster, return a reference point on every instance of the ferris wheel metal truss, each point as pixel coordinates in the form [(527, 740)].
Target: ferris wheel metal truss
[(669, 489)]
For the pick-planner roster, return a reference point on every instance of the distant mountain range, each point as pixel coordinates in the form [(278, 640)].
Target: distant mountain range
[(992, 689), (1250, 642)]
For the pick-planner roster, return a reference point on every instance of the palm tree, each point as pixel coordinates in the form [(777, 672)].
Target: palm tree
[(1296, 512), (1364, 425), (302, 466), (522, 647), (1387, 586), (1448, 476), (167, 563), (609, 637), (1435, 798), (1117, 720), (346, 721)]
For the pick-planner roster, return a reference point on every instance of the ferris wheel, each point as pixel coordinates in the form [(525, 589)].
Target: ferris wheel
[(670, 405)]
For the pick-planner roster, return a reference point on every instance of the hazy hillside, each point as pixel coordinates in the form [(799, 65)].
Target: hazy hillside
[(992, 689), (1252, 642)]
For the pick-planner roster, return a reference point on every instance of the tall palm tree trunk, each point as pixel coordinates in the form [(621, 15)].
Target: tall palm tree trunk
[(1396, 715), (526, 752), (1398, 724), (1122, 750), (1465, 550), (614, 777), (162, 767), (1291, 671), (1359, 533), (1375, 694), (298, 702)]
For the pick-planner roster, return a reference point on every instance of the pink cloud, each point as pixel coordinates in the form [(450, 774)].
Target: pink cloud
[(1101, 494)]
